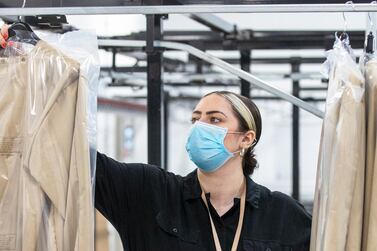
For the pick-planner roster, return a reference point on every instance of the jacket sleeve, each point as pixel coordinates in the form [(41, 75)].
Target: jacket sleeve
[(124, 191), (292, 222), (297, 225)]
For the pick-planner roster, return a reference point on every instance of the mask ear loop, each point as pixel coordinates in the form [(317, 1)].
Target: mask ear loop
[(243, 150)]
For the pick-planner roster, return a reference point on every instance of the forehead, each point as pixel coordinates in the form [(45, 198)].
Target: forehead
[(214, 102)]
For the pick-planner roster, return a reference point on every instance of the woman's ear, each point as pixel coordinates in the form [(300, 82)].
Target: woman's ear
[(248, 139)]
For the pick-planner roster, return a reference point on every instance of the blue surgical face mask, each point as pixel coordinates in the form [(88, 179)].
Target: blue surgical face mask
[(205, 146)]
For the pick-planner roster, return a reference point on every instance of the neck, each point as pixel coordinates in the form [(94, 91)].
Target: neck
[(224, 184)]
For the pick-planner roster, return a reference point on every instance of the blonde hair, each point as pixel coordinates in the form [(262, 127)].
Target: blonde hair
[(241, 108)]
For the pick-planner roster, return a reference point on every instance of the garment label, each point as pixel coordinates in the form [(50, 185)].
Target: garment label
[(10, 145), (7, 242)]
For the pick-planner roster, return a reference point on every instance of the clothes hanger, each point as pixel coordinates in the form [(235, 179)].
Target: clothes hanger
[(22, 32), (344, 35), (344, 38)]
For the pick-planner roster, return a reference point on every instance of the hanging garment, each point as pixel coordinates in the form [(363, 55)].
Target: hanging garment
[(370, 204), (338, 202), (45, 183)]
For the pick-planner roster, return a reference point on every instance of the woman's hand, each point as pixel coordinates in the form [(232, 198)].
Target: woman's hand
[(4, 35)]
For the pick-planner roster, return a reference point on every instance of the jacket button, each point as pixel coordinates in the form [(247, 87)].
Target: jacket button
[(175, 230)]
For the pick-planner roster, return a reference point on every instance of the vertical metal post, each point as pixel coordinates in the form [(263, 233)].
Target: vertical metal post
[(245, 61), (114, 56), (155, 96), (199, 66), (166, 130), (295, 68), (114, 65)]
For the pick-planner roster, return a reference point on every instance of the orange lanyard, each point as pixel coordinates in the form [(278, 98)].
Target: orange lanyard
[(240, 220)]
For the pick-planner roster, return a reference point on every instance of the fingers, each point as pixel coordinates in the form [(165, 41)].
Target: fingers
[(4, 31), (4, 36), (3, 43)]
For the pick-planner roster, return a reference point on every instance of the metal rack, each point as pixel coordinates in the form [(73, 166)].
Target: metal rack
[(154, 44), (256, 40), (42, 9), (223, 65)]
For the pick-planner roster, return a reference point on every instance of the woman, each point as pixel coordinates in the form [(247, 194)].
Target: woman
[(155, 210), (217, 206)]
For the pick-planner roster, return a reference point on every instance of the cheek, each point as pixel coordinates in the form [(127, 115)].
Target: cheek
[(231, 142)]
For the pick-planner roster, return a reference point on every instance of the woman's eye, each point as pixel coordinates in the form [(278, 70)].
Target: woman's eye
[(193, 120), (215, 120)]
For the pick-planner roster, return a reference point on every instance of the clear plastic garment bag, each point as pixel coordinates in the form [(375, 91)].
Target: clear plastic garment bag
[(339, 195), (46, 136), (368, 64)]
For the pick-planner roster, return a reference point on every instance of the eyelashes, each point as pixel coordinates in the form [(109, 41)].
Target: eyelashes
[(193, 120), (213, 120)]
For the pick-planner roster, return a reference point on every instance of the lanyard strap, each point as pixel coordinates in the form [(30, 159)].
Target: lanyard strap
[(240, 220)]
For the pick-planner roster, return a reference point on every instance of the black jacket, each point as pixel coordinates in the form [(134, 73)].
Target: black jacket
[(156, 210)]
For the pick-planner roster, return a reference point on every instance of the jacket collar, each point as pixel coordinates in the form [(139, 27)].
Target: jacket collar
[(192, 189)]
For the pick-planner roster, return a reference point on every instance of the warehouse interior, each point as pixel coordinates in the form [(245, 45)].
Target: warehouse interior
[(290, 137), (147, 93)]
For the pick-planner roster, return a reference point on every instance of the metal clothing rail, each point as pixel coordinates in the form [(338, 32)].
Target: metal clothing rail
[(190, 9), (222, 64)]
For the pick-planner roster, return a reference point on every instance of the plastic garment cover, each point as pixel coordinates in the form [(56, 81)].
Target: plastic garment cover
[(369, 66), (82, 46), (338, 202), (47, 128)]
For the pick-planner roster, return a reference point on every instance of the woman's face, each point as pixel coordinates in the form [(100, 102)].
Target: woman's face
[(216, 110)]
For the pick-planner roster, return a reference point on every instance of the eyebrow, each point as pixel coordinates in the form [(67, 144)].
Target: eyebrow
[(208, 113)]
